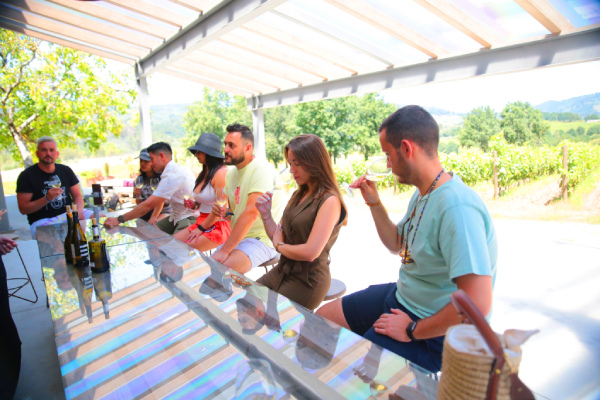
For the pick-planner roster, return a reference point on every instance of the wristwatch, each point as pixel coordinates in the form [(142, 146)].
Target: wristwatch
[(410, 329), (121, 218)]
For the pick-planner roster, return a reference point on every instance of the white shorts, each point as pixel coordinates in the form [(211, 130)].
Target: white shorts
[(257, 251)]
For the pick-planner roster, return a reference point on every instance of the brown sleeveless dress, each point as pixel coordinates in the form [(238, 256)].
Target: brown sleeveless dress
[(303, 282)]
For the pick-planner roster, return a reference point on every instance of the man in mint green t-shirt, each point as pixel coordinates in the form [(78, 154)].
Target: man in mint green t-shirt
[(446, 242), (248, 244)]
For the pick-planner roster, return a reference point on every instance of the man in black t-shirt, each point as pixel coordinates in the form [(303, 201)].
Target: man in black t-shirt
[(36, 196)]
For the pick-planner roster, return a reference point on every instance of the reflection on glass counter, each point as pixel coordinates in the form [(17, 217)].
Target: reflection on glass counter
[(51, 238), (176, 324)]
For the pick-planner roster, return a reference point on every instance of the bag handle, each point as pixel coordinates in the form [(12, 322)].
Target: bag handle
[(466, 308)]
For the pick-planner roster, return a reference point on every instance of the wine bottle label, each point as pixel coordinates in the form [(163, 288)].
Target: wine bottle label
[(95, 231), (84, 249)]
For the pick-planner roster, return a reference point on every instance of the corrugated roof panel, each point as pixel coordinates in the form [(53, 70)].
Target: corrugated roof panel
[(427, 24), (504, 17), (579, 12), (369, 34), (337, 50)]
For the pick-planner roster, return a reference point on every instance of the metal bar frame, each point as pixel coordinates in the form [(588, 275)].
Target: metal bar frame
[(551, 51), (207, 28)]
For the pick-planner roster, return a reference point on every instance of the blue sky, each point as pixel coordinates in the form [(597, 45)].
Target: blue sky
[(536, 86)]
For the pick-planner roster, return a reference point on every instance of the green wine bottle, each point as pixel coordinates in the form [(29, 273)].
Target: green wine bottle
[(68, 250), (79, 244), (99, 261)]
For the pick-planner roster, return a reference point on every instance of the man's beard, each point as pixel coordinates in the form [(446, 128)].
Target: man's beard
[(43, 161), (236, 161)]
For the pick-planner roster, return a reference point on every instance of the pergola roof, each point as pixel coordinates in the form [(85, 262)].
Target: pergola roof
[(278, 52)]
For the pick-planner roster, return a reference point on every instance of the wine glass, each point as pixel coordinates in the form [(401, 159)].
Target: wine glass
[(255, 380), (221, 199), (187, 199), (54, 182), (347, 189), (154, 183), (139, 183), (378, 170)]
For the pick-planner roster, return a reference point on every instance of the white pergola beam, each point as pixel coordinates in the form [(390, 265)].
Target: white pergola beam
[(207, 28), (557, 50)]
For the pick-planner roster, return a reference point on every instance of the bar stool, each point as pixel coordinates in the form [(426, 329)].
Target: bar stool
[(270, 262), (337, 289), (13, 290)]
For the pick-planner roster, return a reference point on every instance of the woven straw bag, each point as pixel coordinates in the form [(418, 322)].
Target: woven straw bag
[(465, 376), (475, 365)]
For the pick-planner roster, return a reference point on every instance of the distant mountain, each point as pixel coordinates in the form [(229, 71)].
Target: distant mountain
[(582, 105)]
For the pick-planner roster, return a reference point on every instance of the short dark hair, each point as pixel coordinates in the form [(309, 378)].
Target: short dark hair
[(160, 147), (413, 123), (244, 130)]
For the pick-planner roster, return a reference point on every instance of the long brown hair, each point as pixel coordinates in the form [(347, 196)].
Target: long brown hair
[(312, 155)]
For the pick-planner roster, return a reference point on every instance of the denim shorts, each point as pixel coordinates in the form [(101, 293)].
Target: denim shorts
[(257, 251), (362, 309)]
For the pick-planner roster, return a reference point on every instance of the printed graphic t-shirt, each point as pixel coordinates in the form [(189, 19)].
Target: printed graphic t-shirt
[(34, 180)]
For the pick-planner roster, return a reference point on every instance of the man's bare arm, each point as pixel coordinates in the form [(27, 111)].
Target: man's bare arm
[(243, 224), (27, 206)]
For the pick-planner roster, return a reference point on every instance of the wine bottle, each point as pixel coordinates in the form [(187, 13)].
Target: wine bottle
[(68, 250), (99, 261), (79, 244)]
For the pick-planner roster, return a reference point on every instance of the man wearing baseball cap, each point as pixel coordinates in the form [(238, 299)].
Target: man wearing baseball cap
[(176, 181)]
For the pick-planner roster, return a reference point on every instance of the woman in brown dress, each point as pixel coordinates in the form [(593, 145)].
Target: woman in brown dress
[(309, 227)]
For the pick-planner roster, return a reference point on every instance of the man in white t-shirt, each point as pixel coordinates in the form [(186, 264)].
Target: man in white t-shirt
[(175, 182)]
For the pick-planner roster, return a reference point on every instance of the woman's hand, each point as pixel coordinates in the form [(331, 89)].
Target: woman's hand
[(6, 245), (278, 236), (191, 204), (194, 236), (137, 193), (263, 204), (218, 211)]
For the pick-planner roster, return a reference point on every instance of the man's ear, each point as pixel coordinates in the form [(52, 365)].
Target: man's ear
[(248, 148), (407, 148)]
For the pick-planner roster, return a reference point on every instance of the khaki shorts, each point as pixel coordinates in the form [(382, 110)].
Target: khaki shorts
[(171, 227)]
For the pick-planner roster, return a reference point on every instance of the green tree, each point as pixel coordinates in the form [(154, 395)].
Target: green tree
[(51, 90), (592, 117), (478, 127), (366, 114), (279, 129), (522, 123), (213, 113), (327, 119)]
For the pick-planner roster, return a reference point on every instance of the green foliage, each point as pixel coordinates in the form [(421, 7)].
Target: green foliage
[(561, 116), (50, 90), (472, 165), (479, 126), (279, 129), (592, 117), (448, 146), (522, 123), (212, 114), (582, 158)]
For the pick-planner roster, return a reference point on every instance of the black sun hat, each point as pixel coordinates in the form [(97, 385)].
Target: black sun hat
[(208, 143)]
